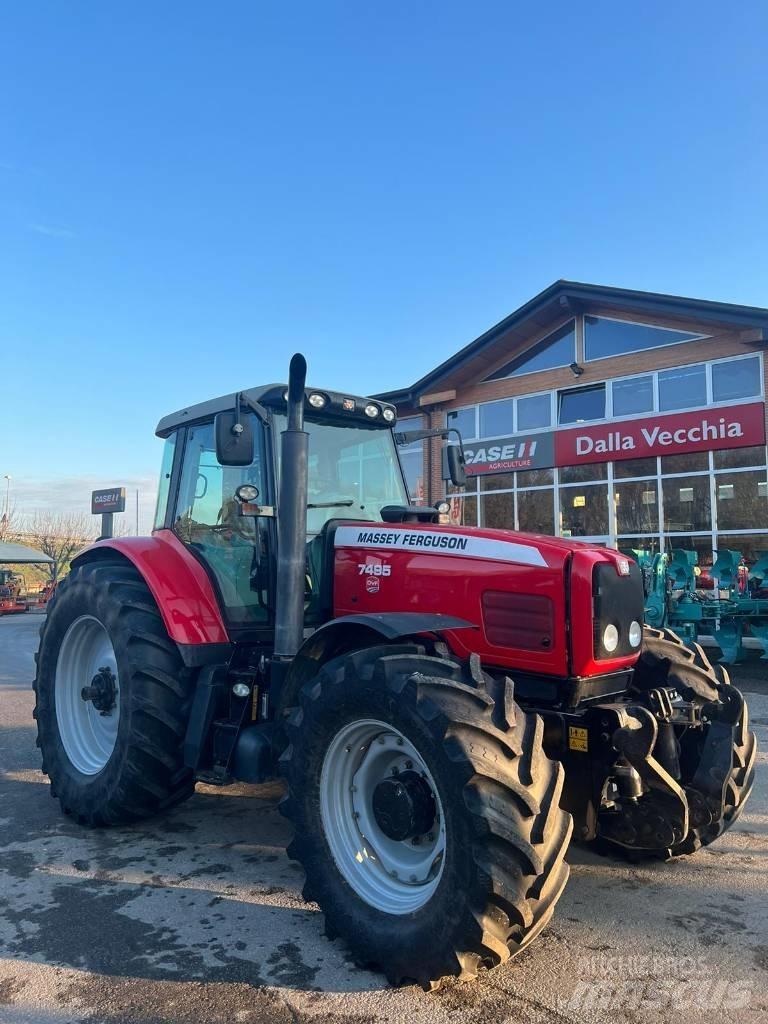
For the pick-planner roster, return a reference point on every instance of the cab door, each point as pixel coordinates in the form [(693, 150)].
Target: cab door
[(234, 548)]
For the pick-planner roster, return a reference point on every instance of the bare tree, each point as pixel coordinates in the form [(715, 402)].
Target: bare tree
[(9, 525), (59, 535)]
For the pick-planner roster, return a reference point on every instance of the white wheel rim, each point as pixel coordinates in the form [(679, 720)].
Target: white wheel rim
[(392, 876), (88, 735)]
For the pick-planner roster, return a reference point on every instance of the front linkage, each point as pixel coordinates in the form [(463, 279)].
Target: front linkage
[(667, 768)]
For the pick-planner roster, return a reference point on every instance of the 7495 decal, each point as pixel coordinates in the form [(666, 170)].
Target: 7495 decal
[(373, 569)]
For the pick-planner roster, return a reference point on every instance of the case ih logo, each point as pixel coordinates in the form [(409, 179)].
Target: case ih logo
[(740, 426), (526, 451), (111, 499)]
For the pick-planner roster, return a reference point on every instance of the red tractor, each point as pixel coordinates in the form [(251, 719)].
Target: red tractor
[(13, 593), (446, 704)]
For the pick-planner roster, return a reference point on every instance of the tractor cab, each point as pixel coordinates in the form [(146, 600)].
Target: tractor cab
[(219, 489)]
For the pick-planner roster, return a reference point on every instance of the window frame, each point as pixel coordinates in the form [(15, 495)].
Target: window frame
[(634, 323)]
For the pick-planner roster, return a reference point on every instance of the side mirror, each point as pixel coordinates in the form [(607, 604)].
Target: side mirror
[(234, 438), (456, 469)]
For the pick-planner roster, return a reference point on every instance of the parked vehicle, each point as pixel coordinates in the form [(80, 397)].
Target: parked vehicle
[(446, 704)]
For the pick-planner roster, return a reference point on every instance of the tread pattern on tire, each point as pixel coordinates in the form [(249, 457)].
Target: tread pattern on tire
[(146, 773), (510, 791)]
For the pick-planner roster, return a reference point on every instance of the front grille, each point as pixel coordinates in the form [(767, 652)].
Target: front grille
[(616, 600)]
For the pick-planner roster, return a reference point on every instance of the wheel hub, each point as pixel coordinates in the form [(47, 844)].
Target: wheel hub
[(382, 816), (102, 692), (403, 806)]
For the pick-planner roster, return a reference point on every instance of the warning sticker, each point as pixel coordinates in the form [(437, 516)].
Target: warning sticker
[(577, 738)]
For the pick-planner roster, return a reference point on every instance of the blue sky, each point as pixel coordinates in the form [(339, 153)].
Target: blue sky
[(191, 191)]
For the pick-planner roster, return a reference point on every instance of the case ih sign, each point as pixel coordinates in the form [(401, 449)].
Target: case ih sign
[(526, 451), (111, 499), (738, 426)]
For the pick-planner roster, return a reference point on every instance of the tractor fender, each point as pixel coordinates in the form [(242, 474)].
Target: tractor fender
[(181, 588), (350, 632)]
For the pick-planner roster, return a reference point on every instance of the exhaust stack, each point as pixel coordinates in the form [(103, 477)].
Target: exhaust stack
[(292, 519)]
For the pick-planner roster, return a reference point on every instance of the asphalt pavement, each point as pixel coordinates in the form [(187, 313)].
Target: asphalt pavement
[(196, 916)]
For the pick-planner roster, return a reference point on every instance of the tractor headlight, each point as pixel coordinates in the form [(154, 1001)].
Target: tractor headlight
[(389, 415), (247, 493), (635, 633), (610, 638), (316, 400), (372, 411)]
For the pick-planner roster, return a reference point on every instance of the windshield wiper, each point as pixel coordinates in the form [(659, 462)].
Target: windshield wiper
[(341, 503)]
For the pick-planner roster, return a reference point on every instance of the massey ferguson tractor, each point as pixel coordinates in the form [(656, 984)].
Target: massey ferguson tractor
[(447, 704)]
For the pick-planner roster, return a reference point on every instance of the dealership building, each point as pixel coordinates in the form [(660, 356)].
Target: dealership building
[(614, 416)]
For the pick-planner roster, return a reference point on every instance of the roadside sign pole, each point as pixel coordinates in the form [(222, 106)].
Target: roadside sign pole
[(107, 525)]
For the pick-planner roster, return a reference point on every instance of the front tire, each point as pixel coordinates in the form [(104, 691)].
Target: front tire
[(485, 872), (116, 757), (666, 661)]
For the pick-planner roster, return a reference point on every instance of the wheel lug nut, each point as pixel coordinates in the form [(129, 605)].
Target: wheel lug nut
[(409, 764), (415, 841), (399, 741), (413, 878), (430, 836)]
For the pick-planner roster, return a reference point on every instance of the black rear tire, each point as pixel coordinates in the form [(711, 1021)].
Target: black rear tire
[(506, 835), (145, 772)]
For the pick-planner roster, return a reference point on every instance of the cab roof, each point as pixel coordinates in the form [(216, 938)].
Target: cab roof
[(271, 395)]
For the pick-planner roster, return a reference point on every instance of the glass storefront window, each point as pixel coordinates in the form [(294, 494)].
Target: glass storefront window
[(736, 378), (637, 507), (693, 462), (497, 482), (632, 396), (687, 505), (584, 510), (463, 510), (534, 412), (580, 405), (634, 467), (683, 387), (736, 458), (582, 474), (535, 477), (536, 511), (742, 500), (464, 421), (498, 510), (496, 418)]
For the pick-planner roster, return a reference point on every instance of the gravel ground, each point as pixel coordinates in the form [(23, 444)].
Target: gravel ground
[(196, 917)]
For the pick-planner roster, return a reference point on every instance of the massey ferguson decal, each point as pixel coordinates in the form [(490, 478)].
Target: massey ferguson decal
[(438, 543), (740, 426)]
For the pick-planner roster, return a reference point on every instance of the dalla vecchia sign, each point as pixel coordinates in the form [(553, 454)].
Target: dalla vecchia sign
[(738, 426)]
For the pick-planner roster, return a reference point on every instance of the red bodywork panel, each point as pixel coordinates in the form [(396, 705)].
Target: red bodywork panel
[(448, 570), (179, 585)]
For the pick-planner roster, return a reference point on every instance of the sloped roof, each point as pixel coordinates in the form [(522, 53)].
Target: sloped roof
[(572, 297), (21, 554)]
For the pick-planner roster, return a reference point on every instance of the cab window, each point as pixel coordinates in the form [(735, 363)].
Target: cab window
[(208, 519)]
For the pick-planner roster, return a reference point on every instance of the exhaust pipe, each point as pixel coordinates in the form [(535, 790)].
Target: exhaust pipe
[(292, 519)]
